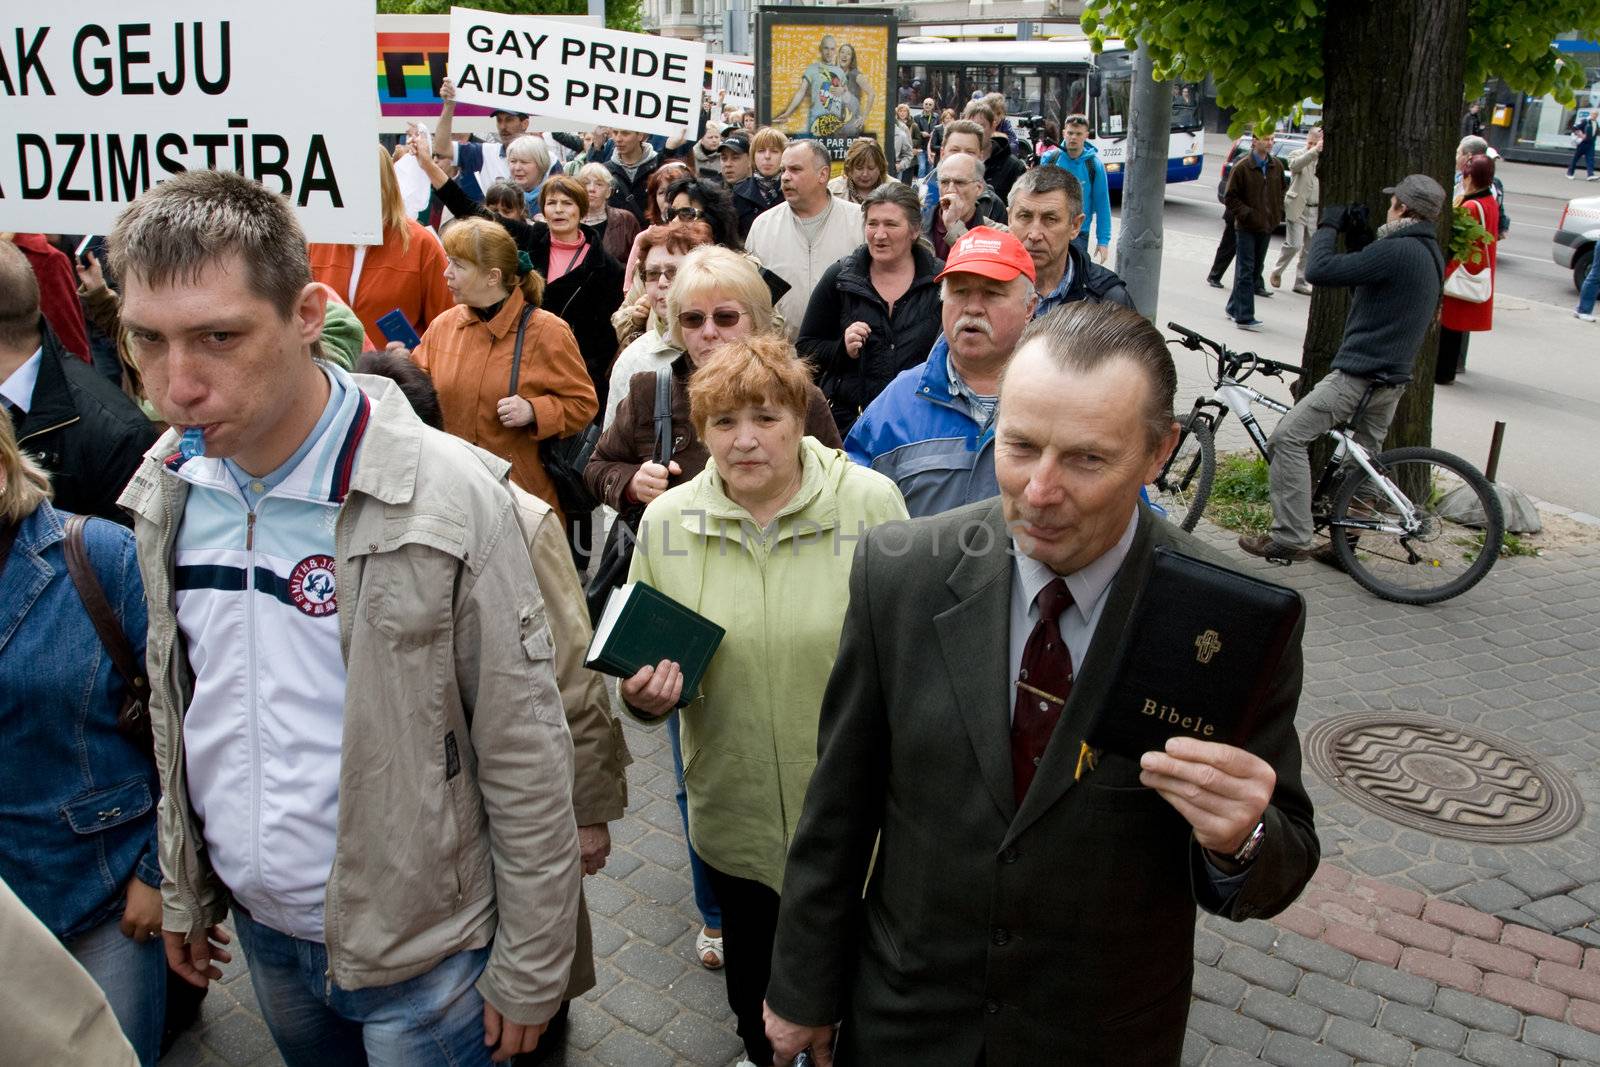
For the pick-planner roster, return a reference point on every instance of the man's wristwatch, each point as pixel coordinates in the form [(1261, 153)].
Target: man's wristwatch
[(1246, 853)]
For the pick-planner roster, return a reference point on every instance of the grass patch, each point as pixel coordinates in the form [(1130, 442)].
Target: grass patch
[(1511, 546), (1240, 499)]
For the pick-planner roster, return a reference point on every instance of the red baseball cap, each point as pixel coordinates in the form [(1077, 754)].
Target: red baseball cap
[(989, 254)]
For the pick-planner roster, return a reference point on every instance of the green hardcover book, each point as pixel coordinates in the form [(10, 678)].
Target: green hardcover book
[(641, 626)]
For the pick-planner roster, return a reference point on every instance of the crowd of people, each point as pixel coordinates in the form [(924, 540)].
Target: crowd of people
[(329, 706)]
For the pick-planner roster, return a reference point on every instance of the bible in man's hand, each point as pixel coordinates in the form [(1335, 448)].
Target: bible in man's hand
[(1200, 651), (641, 626)]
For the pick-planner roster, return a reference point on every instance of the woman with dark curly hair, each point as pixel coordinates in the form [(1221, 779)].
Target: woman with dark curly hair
[(693, 200)]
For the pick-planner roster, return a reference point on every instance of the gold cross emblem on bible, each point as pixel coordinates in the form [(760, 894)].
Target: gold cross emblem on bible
[(1207, 645)]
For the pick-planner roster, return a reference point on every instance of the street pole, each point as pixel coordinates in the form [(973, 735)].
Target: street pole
[(1144, 185), (597, 10)]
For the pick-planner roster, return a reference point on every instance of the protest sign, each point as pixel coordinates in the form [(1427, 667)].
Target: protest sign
[(587, 74), (733, 82), (100, 99), (412, 51)]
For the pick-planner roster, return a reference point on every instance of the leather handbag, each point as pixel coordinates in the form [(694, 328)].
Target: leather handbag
[(133, 718), (563, 457), (1470, 288), (617, 556)]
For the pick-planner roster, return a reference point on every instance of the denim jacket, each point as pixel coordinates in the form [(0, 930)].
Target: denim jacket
[(77, 798)]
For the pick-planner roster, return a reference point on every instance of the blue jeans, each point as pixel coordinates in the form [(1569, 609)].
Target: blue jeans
[(433, 1019), (1591, 286), (705, 898), (1250, 251), (133, 976)]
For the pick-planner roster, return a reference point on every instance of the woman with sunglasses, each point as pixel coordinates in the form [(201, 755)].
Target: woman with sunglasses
[(716, 296)]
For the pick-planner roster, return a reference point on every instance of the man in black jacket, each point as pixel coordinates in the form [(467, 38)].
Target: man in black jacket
[(1397, 280), (1254, 200), (1001, 169), (1046, 213), (85, 431)]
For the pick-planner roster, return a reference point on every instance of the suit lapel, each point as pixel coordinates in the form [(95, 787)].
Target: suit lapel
[(975, 639), (1091, 682)]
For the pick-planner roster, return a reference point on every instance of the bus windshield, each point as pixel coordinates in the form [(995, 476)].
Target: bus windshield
[(1116, 105)]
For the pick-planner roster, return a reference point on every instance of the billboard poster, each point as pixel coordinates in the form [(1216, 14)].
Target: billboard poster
[(827, 74)]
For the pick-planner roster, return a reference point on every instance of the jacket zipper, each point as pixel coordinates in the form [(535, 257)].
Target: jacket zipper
[(251, 694), (38, 433)]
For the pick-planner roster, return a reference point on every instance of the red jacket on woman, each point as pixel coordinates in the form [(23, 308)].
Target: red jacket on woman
[(1458, 314)]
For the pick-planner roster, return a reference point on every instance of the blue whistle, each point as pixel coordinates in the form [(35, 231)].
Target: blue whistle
[(193, 443)]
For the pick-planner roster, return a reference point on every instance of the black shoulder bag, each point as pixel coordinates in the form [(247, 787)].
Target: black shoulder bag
[(612, 570), (563, 457)]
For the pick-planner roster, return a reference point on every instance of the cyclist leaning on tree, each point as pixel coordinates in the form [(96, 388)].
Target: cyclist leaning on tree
[(1397, 279)]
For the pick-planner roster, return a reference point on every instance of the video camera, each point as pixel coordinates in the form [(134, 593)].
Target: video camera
[(1354, 221)]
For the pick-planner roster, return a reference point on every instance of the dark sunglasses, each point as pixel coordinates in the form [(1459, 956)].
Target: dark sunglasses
[(655, 274), (686, 214), (724, 318)]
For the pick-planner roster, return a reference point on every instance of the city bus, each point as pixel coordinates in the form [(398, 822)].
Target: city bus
[(1051, 79)]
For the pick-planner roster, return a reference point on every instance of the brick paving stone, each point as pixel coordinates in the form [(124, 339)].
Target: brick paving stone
[(1525, 996), (1560, 912), (1260, 969), (656, 922), (1301, 920), (1195, 1049), (1328, 876), (699, 1040), (1393, 897), (1292, 1050), (624, 1048), (1339, 998), (1491, 956), (1395, 985), (1588, 895), (1493, 895), (1423, 1028), (1581, 984), (1207, 945), (1477, 1013), (239, 1038), (1497, 1050), (1219, 988), (1224, 1027), (651, 965), (1541, 881), (1432, 1057), (1441, 877), (1363, 943), (1544, 946), (1467, 921), (642, 1008), (1562, 1039), (1518, 917), (1367, 1044), (1584, 1014), (1381, 860), (1282, 1013), (1442, 969), (1314, 955), (1415, 932)]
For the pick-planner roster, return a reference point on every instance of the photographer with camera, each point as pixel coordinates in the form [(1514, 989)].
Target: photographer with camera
[(1397, 278)]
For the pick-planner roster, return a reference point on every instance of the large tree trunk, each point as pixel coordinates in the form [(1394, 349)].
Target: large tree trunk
[(1394, 70)]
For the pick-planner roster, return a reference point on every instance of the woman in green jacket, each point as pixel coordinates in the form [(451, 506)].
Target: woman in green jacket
[(760, 542)]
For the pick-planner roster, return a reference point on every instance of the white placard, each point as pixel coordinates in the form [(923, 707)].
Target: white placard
[(583, 73), (100, 99), (733, 82)]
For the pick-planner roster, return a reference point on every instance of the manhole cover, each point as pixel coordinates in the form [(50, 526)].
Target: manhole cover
[(1440, 777)]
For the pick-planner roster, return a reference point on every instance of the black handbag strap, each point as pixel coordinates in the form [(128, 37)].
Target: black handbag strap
[(99, 609), (516, 353), (664, 415)]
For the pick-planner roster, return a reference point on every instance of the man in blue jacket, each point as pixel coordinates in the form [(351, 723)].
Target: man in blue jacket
[(1079, 158), (932, 429)]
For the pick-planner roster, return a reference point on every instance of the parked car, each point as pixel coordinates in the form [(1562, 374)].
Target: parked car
[(1576, 235)]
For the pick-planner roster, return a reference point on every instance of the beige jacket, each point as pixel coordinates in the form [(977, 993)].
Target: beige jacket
[(778, 241), (1304, 190), (455, 788), (51, 1011)]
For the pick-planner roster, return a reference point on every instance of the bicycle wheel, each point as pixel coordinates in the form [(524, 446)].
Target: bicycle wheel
[(1184, 484), (1423, 557)]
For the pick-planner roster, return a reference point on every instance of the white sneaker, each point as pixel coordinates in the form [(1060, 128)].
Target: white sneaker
[(1581, 315), (1570, 177), (1593, 178)]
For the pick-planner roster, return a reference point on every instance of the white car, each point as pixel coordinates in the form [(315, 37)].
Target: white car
[(1575, 238)]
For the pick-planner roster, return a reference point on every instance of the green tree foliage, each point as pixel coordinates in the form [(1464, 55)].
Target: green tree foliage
[(620, 14), (1266, 55)]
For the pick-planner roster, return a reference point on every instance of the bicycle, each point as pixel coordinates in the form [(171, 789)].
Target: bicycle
[(1381, 510)]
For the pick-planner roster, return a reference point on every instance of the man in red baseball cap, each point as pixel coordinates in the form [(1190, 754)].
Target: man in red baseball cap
[(932, 428)]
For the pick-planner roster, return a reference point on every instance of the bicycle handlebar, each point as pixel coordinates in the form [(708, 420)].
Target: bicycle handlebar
[(1248, 361)]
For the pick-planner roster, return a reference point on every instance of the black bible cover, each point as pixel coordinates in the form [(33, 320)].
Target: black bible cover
[(1198, 656)]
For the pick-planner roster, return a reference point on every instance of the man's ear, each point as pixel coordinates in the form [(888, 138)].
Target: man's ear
[(310, 309)]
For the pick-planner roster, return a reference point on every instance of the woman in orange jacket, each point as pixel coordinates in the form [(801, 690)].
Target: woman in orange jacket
[(469, 351), (406, 271)]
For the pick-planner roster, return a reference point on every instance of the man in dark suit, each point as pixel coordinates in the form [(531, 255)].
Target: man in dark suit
[(1026, 903)]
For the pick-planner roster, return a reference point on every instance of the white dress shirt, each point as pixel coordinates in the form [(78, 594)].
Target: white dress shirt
[(18, 388)]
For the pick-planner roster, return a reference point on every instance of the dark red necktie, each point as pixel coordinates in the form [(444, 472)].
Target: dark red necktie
[(1043, 685)]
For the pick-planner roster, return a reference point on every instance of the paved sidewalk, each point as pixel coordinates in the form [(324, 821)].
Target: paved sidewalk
[(1410, 948)]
